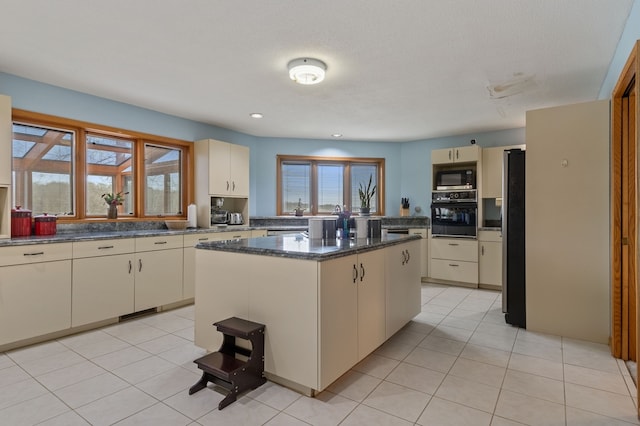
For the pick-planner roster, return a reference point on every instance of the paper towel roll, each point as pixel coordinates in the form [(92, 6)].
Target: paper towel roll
[(192, 216)]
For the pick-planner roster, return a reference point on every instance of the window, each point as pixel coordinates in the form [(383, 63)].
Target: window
[(320, 184), (63, 167)]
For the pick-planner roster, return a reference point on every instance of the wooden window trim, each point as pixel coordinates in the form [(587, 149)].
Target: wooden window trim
[(81, 129), (314, 161)]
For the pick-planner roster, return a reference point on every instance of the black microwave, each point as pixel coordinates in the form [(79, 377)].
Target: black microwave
[(455, 179)]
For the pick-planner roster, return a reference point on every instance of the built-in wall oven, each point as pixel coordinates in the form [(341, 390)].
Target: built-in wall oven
[(454, 213)]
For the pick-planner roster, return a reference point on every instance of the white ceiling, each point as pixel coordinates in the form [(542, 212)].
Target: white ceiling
[(396, 70)]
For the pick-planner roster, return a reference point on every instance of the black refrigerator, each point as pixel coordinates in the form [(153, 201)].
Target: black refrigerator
[(513, 238)]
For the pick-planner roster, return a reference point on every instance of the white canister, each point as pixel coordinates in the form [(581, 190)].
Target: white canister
[(192, 218), (315, 228), (362, 227)]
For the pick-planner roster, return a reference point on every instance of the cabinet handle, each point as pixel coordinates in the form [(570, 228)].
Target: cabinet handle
[(355, 273), (130, 266), (408, 256), (105, 247), (482, 250), (404, 258), (449, 154), (237, 236), (227, 185), (160, 242), (139, 265), (203, 239), (234, 186), (457, 154), (37, 253), (454, 244), (361, 272), (455, 265)]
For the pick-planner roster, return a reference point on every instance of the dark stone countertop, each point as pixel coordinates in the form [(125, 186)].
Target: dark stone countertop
[(298, 246)]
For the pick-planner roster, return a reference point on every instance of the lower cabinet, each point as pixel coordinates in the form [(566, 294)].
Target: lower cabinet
[(454, 259), (35, 291), (403, 264), (490, 259)]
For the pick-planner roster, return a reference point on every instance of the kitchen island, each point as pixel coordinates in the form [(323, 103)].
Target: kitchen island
[(326, 304)]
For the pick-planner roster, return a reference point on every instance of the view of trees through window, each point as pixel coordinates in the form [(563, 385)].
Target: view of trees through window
[(320, 185), (66, 171), (42, 169)]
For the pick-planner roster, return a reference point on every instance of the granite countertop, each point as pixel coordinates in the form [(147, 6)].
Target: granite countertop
[(299, 246)]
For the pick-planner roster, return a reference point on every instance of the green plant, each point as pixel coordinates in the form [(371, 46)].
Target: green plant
[(116, 199), (366, 193)]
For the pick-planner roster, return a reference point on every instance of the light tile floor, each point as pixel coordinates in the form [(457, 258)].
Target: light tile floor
[(457, 363)]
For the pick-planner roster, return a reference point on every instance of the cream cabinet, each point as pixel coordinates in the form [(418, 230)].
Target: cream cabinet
[(454, 260), (492, 170), (5, 166), (370, 282), (35, 291), (424, 249), (227, 168), (403, 263), (158, 271), (103, 280), (464, 154), (490, 259)]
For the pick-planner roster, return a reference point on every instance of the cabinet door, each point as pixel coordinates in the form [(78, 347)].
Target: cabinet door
[(424, 248), (466, 154), (442, 156), (338, 318), (402, 285), (189, 262), (102, 288), (219, 168), (5, 141), (490, 263), (158, 278), (371, 302), (239, 170), (35, 299), (492, 172)]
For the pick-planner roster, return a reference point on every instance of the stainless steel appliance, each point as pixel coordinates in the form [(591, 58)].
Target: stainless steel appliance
[(219, 217), (454, 213), (447, 179), (235, 219), (513, 238)]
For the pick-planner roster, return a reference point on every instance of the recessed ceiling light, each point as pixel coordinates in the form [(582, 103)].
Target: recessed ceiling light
[(256, 115), (306, 70), (336, 135)]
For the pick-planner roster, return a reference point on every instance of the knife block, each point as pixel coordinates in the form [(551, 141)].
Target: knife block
[(405, 212)]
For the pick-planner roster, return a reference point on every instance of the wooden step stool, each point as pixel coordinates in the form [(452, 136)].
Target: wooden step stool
[(224, 369)]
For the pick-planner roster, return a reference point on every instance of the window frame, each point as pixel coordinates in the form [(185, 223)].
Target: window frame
[(314, 161), (139, 139)]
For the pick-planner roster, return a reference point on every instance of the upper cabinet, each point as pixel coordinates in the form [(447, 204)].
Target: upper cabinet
[(228, 168), (465, 154), (492, 170)]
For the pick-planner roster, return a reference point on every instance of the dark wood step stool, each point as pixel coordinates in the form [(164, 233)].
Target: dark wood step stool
[(225, 369)]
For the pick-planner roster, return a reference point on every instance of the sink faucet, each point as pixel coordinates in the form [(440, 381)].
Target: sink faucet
[(338, 209)]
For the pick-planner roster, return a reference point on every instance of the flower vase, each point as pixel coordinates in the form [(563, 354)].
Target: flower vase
[(112, 212)]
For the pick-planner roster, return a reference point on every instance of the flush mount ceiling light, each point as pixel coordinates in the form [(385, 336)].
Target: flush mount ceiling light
[(307, 70), (256, 115)]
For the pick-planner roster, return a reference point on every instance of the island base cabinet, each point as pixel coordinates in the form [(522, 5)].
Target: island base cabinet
[(35, 299), (371, 302), (103, 288), (403, 284)]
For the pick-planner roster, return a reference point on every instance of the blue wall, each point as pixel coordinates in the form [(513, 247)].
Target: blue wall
[(408, 164)]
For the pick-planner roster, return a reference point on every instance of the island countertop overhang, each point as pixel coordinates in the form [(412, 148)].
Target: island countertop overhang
[(299, 246)]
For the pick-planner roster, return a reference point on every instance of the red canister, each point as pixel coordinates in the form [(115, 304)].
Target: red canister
[(20, 222), (45, 225)]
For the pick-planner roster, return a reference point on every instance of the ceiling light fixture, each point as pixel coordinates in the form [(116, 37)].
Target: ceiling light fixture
[(256, 115), (306, 70), (336, 135)]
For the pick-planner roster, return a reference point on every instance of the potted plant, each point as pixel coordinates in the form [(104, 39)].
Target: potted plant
[(366, 193), (299, 209)]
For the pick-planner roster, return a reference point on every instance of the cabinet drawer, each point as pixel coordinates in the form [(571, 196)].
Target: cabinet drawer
[(418, 231), (452, 270), (163, 242), (83, 249), (231, 235), (490, 236), (454, 249), (190, 240), (34, 253)]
